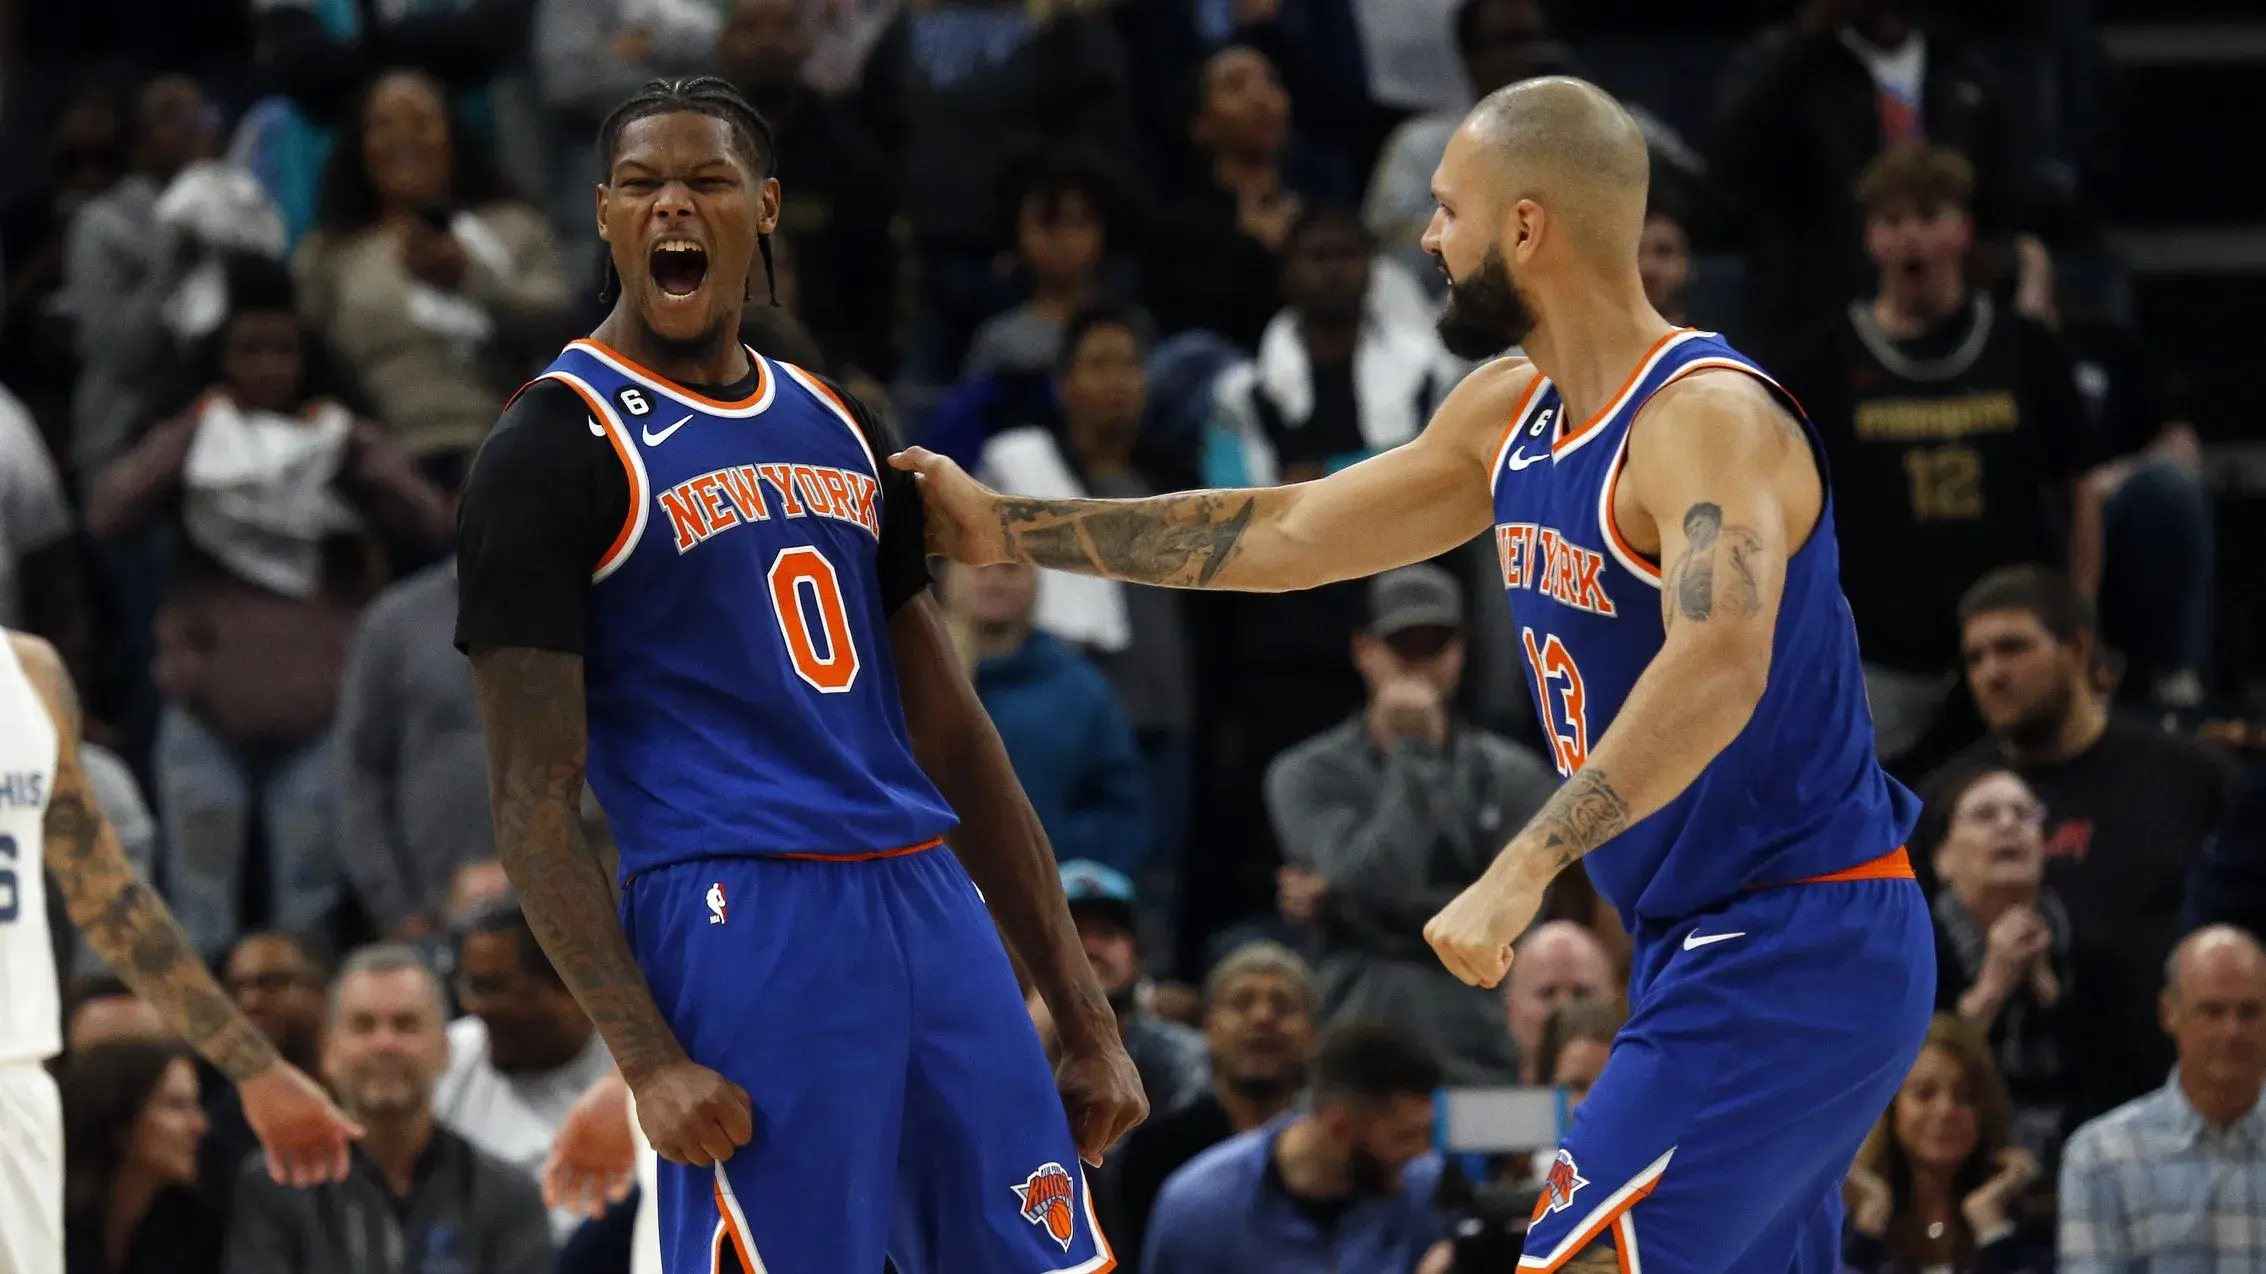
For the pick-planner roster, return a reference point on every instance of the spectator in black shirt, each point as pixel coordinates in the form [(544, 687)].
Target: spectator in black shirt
[(2128, 806), (1259, 1020), (835, 199), (1953, 433)]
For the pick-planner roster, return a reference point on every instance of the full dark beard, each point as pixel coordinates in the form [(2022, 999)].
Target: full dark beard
[(1485, 313)]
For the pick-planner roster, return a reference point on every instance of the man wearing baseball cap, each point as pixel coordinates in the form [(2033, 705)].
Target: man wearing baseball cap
[(1171, 1058), (1385, 818)]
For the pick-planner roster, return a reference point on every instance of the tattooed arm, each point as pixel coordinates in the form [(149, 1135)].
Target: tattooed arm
[(1411, 503), (531, 702), (532, 706), (128, 925), (121, 917), (1719, 485)]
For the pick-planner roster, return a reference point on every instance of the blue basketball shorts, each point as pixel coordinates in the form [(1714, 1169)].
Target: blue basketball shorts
[(903, 1104), (1765, 1038)]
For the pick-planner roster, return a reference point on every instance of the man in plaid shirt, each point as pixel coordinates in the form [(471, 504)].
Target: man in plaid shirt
[(2175, 1182)]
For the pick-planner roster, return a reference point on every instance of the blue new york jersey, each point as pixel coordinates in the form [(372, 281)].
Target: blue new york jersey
[(1798, 794), (742, 698)]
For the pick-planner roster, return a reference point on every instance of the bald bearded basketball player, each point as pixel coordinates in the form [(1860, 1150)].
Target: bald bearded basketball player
[(1661, 514)]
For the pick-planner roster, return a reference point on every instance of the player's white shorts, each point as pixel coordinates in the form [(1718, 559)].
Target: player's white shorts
[(31, 1171)]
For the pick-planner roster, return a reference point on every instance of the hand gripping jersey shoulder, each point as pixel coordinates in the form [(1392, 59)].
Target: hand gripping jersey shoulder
[(1798, 793), (742, 696)]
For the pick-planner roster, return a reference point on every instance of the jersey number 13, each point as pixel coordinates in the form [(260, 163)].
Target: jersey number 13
[(1561, 698)]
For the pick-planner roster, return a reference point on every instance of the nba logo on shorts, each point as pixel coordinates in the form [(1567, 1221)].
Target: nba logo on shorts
[(716, 903), (1046, 1201), (1558, 1188)]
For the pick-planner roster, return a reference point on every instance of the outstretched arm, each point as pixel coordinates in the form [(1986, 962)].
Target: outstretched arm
[(1006, 853), (129, 926), (1417, 501), (1721, 474)]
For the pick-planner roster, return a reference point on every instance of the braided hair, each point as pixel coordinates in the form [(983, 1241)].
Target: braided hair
[(692, 95)]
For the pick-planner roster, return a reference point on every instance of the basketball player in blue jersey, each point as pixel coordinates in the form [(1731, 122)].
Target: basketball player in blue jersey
[(684, 575), (1660, 512)]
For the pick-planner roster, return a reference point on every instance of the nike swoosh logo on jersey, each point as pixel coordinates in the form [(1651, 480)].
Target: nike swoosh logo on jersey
[(1693, 941), (1519, 460), (653, 439)]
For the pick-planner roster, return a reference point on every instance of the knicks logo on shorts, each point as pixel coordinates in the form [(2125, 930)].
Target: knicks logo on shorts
[(1559, 1186), (1046, 1198)]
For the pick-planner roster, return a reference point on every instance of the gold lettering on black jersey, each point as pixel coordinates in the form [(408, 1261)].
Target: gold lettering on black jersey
[(1933, 419)]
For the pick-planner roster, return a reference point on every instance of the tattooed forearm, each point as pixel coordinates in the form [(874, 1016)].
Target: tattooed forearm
[(1716, 571), (531, 701), (1177, 541), (127, 924), (1579, 817)]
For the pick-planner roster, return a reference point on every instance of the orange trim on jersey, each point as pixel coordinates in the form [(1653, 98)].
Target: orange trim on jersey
[(1613, 525), (804, 377), (762, 378), (870, 856), (598, 417), (1517, 421), (1893, 865), (831, 396), (1636, 374), (1589, 1233), (741, 1244)]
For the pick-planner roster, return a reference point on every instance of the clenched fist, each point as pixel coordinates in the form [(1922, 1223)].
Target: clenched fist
[(693, 1115), (1101, 1092)]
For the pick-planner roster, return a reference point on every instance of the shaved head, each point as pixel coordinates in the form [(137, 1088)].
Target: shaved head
[(2222, 950), (2214, 1008), (1567, 145), (1542, 190)]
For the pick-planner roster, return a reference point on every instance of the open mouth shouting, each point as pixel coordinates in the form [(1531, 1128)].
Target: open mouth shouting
[(678, 266)]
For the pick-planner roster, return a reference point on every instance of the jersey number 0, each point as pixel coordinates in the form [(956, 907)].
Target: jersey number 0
[(806, 598)]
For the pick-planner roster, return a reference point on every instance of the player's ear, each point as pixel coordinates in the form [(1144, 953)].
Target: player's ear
[(767, 206), (600, 193), (1527, 220)]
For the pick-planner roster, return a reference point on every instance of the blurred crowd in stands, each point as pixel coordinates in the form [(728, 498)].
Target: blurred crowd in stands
[(274, 266)]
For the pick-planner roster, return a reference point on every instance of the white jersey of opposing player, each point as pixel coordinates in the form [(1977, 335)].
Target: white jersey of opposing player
[(29, 1007)]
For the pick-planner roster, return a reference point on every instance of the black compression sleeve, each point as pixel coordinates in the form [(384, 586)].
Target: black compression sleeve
[(545, 499), (904, 552)]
